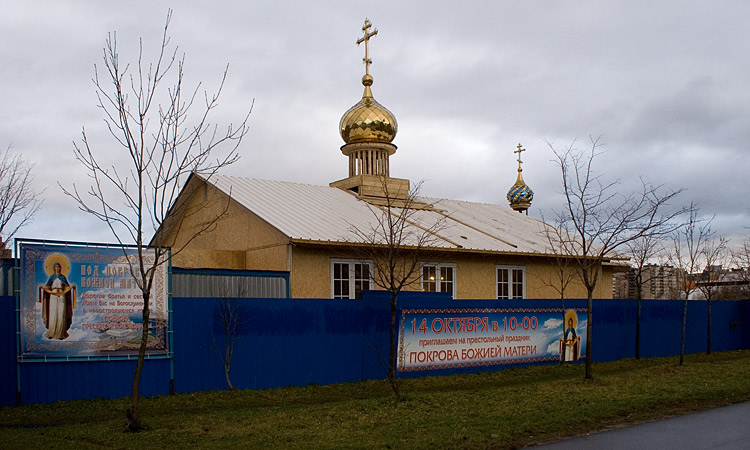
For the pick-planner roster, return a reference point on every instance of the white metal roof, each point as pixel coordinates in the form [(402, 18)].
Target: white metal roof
[(327, 214)]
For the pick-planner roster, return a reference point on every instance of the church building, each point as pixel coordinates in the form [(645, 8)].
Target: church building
[(310, 235)]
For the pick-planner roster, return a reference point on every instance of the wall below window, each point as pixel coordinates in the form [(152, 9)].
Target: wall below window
[(474, 275)]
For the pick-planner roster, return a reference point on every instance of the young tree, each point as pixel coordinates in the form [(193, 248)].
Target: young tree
[(18, 199), (685, 254), (166, 133), (741, 262), (395, 243), (565, 271), (229, 318), (641, 251), (714, 254), (597, 220)]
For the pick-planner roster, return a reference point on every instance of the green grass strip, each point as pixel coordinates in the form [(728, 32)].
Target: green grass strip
[(503, 410)]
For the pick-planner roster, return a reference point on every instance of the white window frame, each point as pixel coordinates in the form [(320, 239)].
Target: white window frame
[(352, 281), (510, 283), (437, 267)]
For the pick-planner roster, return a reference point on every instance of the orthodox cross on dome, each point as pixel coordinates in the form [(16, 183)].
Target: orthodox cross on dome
[(520, 149), (520, 195), (366, 40)]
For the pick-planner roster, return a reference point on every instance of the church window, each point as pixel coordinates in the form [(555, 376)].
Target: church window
[(511, 282), (439, 278), (350, 277)]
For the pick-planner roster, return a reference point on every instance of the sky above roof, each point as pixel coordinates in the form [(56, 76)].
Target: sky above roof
[(665, 85)]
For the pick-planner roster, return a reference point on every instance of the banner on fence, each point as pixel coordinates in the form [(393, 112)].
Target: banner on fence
[(83, 302), (448, 338)]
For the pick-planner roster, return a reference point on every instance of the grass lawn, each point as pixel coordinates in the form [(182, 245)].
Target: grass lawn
[(505, 409)]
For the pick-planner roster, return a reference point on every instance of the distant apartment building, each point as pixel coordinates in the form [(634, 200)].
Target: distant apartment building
[(719, 283), (663, 283), (659, 283)]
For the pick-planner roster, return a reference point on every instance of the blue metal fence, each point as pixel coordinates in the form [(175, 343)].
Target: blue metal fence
[(285, 342), (281, 342), (7, 350)]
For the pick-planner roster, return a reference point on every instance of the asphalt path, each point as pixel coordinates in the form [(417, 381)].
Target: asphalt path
[(726, 428)]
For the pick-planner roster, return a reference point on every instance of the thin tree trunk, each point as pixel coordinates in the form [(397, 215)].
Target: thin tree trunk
[(226, 375), (133, 413), (228, 352), (562, 303), (708, 336), (639, 287), (682, 341), (638, 330), (392, 364), (589, 318)]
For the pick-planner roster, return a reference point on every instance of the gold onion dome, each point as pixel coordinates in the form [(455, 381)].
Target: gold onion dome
[(520, 195), (368, 120)]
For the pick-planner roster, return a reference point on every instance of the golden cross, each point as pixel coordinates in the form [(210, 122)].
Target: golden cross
[(366, 40), (520, 149)]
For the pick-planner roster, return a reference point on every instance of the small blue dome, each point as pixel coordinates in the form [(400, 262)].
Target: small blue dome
[(520, 195)]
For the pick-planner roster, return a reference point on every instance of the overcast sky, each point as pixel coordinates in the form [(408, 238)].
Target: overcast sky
[(666, 83)]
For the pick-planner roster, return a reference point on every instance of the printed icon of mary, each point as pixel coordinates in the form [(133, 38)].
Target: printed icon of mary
[(58, 297), (570, 343)]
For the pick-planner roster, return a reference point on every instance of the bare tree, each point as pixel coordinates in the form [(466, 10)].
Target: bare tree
[(229, 318), (714, 254), (741, 262), (597, 220), (168, 143), (641, 251), (395, 243), (564, 272), (685, 254), (18, 199)]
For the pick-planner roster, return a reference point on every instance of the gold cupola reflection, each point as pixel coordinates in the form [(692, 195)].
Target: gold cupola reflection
[(368, 129), (368, 120)]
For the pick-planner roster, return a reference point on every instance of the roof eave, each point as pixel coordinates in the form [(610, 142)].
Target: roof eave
[(322, 243)]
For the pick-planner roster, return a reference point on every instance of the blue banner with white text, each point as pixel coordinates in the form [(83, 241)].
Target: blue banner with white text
[(448, 338)]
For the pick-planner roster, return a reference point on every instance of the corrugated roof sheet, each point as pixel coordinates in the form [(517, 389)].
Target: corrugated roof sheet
[(327, 214)]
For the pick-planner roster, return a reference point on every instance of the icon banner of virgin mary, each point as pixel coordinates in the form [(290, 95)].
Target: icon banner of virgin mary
[(58, 297), (570, 343)]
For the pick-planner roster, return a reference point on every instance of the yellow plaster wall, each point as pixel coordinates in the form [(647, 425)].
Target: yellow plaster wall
[(239, 240), (545, 283), (605, 286), (311, 272), (476, 278), (475, 274)]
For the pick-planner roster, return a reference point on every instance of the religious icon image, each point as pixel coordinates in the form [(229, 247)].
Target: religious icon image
[(570, 343), (58, 297)]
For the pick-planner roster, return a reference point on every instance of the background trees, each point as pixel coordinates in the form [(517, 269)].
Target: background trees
[(685, 253), (696, 248), (165, 131), (714, 254), (19, 201), (741, 261), (596, 220), (641, 251)]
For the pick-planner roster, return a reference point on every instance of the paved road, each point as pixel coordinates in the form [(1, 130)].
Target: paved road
[(726, 428)]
